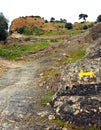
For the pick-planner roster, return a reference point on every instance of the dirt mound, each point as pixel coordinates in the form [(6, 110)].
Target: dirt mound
[(31, 21)]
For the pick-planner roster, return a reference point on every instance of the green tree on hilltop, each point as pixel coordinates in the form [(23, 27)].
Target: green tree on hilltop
[(52, 19), (83, 16)]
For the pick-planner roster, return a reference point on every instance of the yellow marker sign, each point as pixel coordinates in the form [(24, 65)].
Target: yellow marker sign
[(83, 74)]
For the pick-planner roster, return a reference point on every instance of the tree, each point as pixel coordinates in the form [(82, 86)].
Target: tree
[(69, 25), (52, 19), (63, 20), (99, 18), (20, 30), (3, 27), (83, 16)]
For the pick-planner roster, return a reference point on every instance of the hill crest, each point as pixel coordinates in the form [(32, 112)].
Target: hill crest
[(31, 21)]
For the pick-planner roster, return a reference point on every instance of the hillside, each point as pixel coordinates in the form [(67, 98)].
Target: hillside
[(32, 21), (43, 88)]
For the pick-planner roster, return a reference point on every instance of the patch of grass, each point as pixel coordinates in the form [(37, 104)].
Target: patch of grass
[(93, 128), (99, 71), (50, 73), (47, 97), (75, 31), (59, 123), (57, 32), (76, 55), (45, 100), (12, 52), (73, 56), (49, 93)]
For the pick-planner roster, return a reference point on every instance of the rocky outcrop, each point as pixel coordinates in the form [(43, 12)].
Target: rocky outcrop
[(95, 50), (80, 102), (95, 31), (80, 105)]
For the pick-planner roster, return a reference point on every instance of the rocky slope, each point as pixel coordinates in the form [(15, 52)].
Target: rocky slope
[(76, 102), (79, 102)]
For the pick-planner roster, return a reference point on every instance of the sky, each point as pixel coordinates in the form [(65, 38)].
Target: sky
[(65, 9)]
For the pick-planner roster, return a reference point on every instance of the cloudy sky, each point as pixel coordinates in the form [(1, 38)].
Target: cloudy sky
[(66, 9)]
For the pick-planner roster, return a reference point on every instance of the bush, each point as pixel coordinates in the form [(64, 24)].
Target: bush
[(38, 31), (99, 18), (85, 27), (20, 30), (68, 25), (28, 30), (3, 27)]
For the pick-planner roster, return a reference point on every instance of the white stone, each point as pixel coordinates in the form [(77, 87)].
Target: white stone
[(51, 117), (42, 114)]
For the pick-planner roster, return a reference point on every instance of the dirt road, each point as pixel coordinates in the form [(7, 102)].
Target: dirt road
[(18, 96)]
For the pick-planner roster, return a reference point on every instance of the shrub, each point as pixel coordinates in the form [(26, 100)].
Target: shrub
[(85, 27), (28, 30), (68, 25), (99, 18), (3, 27), (20, 30), (38, 31)]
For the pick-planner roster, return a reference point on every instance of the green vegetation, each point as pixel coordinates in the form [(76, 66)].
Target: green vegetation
[(59, 123), (54, 33), (45, 100), (76, 55), (99, 71), (68, 29), (12, 52), (30, 30), (50, 73), (83, 16), (52, 19), (69, 25), (99, 18), (3, 27), (93, 128), (73, 56), (47, 97), (75, 32)]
